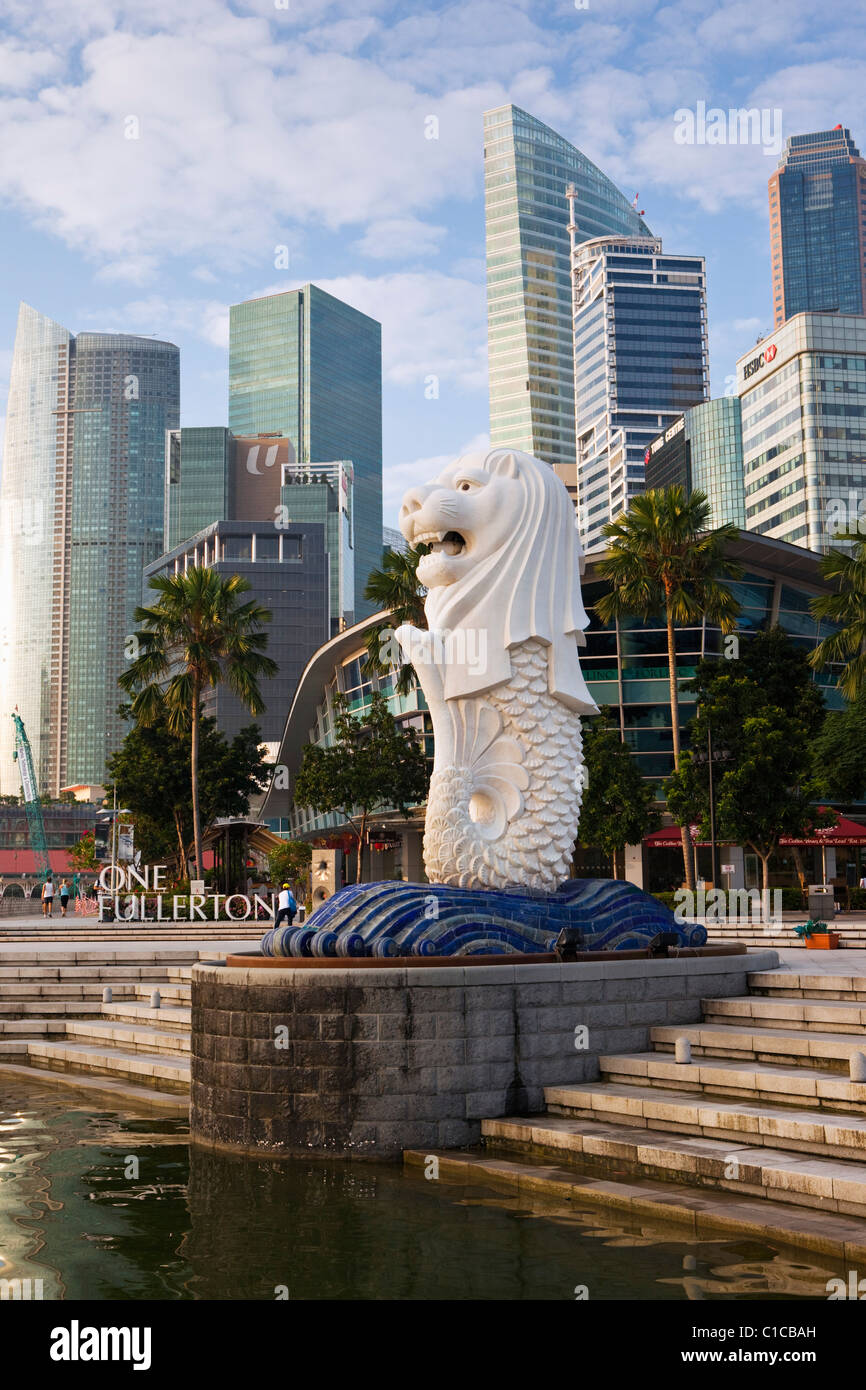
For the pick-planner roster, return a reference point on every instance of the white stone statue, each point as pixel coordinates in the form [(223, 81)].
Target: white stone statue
[(500, 671)]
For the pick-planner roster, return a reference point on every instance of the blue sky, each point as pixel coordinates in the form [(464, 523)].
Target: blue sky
[(301, 123)]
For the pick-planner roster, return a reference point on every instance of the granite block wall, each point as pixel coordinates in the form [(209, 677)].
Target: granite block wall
[(372, 1061)]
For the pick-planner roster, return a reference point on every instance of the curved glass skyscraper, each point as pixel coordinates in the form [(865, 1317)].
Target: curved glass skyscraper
[(527, 168), (81, 506)]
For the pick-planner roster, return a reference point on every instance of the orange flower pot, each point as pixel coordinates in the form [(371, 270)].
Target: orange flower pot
[(823, 941)]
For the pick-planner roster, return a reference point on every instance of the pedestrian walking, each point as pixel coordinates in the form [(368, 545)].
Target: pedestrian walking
[(48, 898), (286, 907), (63, 890)]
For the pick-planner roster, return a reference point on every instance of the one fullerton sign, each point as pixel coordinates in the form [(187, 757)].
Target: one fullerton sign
[(185, 907)]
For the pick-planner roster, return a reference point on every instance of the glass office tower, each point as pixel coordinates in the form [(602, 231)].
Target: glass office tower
[(818, 226), (640, 360), (85, 448), (198, 474), (307, 366), (323, 494), (703, 450), (527, 168)]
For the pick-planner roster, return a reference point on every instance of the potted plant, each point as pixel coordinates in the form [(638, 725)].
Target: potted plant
[(817, 936)]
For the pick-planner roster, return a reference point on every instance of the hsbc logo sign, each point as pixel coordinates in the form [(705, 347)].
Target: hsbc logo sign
[(762, 360)]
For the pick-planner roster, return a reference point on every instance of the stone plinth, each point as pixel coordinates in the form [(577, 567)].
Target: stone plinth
[(370, 1062)]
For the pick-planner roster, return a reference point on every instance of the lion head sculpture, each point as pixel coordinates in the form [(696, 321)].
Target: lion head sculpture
[(505, 559)]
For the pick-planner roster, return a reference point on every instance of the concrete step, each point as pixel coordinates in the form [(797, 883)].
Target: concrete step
[(149, 1069), (94, 973), (800, 984), (92, 989), (168, 1015), (802, 1086), (837, 1015), (793, 1046), (129, 1036), (799, 1227), (652, 1108), (81, 1088), (828, 1184)]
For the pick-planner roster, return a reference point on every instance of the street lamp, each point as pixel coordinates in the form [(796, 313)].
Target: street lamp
[(718, 755)]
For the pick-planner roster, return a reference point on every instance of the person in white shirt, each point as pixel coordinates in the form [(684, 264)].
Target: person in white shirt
[(48, 898), (286, 906)]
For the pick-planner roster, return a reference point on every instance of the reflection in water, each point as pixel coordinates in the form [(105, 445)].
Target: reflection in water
[(108, 1205)]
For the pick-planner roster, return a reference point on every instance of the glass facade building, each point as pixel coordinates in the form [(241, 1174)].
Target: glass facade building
[(288, 574), (818, 226), (527, 168), (84, 461), (803, 398), (703, 450), (640, 359), (198, 475), (309, 367), (324, 494)]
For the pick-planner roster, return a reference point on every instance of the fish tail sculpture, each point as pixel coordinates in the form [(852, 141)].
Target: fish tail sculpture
[(500, 672)]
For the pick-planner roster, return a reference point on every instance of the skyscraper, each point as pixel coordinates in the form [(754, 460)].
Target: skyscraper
[(305, 365), (527, 168), (703, 450), (82, 513), (212, 475), (818, 226), (640, 360), (802, 392)]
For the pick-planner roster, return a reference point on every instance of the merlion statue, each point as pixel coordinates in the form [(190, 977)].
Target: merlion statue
[(500, 671)]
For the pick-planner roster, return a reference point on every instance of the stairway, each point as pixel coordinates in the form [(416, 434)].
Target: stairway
[(781, 935), (53, 1020), (765, 1115)]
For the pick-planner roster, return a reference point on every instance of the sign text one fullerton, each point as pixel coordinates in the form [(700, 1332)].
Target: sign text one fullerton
[(114, 878)]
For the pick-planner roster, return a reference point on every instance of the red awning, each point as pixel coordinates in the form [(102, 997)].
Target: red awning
[(23, 861), (843, 832)]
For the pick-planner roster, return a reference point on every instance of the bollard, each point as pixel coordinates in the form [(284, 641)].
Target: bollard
[(155, 999), (857, 1066), (683, 1050), (106, 995)]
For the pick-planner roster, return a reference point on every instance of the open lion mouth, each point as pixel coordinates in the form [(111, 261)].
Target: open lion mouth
[(442, 542)]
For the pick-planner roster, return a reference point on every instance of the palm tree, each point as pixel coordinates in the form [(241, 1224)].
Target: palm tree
[(664, 559), (196, 637), (395, 589), (847, 607)]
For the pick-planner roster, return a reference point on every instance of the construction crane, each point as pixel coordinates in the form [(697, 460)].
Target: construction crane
[(32, 804)]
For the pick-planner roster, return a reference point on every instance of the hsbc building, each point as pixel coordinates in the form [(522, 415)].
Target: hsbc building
[(802, 393)]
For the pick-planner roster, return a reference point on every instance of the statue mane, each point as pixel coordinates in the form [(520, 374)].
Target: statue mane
[(529, 587)]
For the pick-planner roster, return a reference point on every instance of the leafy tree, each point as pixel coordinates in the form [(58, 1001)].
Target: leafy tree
[(395, 589), (289, 863), (663, 559), (847, 607), (151, 772), (373, 764), (617, 803), (82, 856), (762, 798), (763, 711), (840, 753), (777, 669), (197, 636)]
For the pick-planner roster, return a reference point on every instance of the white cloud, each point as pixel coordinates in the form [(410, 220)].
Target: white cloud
[(432, 324), (400, 239)]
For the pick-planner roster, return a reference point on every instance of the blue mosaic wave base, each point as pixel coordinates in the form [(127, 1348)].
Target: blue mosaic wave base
[(433, 919)]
